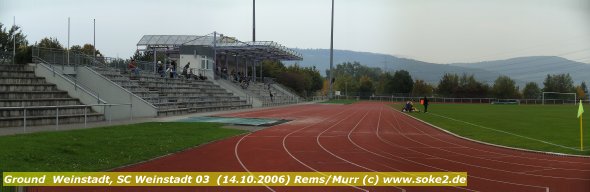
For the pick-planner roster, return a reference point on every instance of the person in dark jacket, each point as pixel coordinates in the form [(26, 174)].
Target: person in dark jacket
[(425, 104)]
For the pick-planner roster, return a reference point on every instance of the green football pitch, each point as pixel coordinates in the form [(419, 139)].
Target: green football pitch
[(341, 101), (551, 128)]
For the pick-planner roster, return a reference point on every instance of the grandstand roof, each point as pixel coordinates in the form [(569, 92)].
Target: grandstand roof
[(258, 50)]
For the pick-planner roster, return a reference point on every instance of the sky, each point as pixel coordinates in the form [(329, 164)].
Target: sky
[(438, 31)]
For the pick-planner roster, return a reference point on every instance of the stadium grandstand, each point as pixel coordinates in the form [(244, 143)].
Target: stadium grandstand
[(212, 73)]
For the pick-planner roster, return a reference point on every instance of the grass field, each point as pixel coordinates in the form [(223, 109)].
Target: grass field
[(552, 128), (103, 148), (341, 101)]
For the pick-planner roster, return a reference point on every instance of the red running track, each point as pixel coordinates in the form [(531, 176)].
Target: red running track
[(367, 136)]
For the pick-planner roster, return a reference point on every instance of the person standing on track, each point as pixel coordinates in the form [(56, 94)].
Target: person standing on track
[(269, 92), (425, 103)]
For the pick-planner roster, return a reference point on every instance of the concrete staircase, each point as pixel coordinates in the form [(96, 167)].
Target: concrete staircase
[(176, 96), (19, 87), (280, 97)]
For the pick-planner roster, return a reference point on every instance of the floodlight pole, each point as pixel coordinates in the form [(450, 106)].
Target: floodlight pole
[(14, 40), (68, 49), (215, 54), (94, 39), (331, 74), (253, 20)]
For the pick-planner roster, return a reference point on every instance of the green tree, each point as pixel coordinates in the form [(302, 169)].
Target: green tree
[(272, 68), (89, 49), (448, 85), (580, 92), (15, 38), (316, 79), (470, 87), (8, 37), (402, 82), (306, 81), (346, 84), (421, 88), (505, 88), (382, 86), (356, 70), (366, 87), (50, 42), (531, 91), (561, 83), (292, 80), (76, 48)]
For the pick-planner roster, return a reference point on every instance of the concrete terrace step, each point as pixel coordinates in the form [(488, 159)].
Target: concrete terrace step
[(199, 103), (176, 96), (13, 67), (193, 94), (42, 111), (180, 111), (22, 80), (4, 73), (28, 87), (49, 120), (188, 89), (38, 102), (33, 94)]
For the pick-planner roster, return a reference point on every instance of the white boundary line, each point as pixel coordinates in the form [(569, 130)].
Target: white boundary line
[(246, 135), (296, 159), (506, 132), (379, 155), (483, 178), (508, 171), (240, 161), (495, 145)]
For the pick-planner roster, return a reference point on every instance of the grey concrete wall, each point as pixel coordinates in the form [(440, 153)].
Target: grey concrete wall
[(63, 83), (243, 94), (287, 92), (114, 93)]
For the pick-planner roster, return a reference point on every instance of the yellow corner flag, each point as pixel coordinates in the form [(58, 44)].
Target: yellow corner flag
[(580, 112), (580, 109)]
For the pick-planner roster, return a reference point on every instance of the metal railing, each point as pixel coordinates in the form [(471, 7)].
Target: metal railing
[(464, 100), (131, 94), (107, 113), (73, 58), (319, 98), (72, 81), (288, 90), (249, 95)]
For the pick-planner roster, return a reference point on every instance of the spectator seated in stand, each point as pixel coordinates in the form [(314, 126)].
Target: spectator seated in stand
[(191, 75), (201, 77), (173, 73), (133, 67), (168, 69), (161, 70), (185, 70)]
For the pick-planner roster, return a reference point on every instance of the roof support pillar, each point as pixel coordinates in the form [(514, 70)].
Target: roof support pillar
[(254, 70), (155, 58), (237, 64)]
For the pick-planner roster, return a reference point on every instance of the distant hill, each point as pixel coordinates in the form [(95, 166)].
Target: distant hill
[(522, 70), (535, 68), (429, 72)]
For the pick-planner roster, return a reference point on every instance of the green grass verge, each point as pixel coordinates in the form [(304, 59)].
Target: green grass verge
[(500, 124), (103, 148), (341, 101)]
